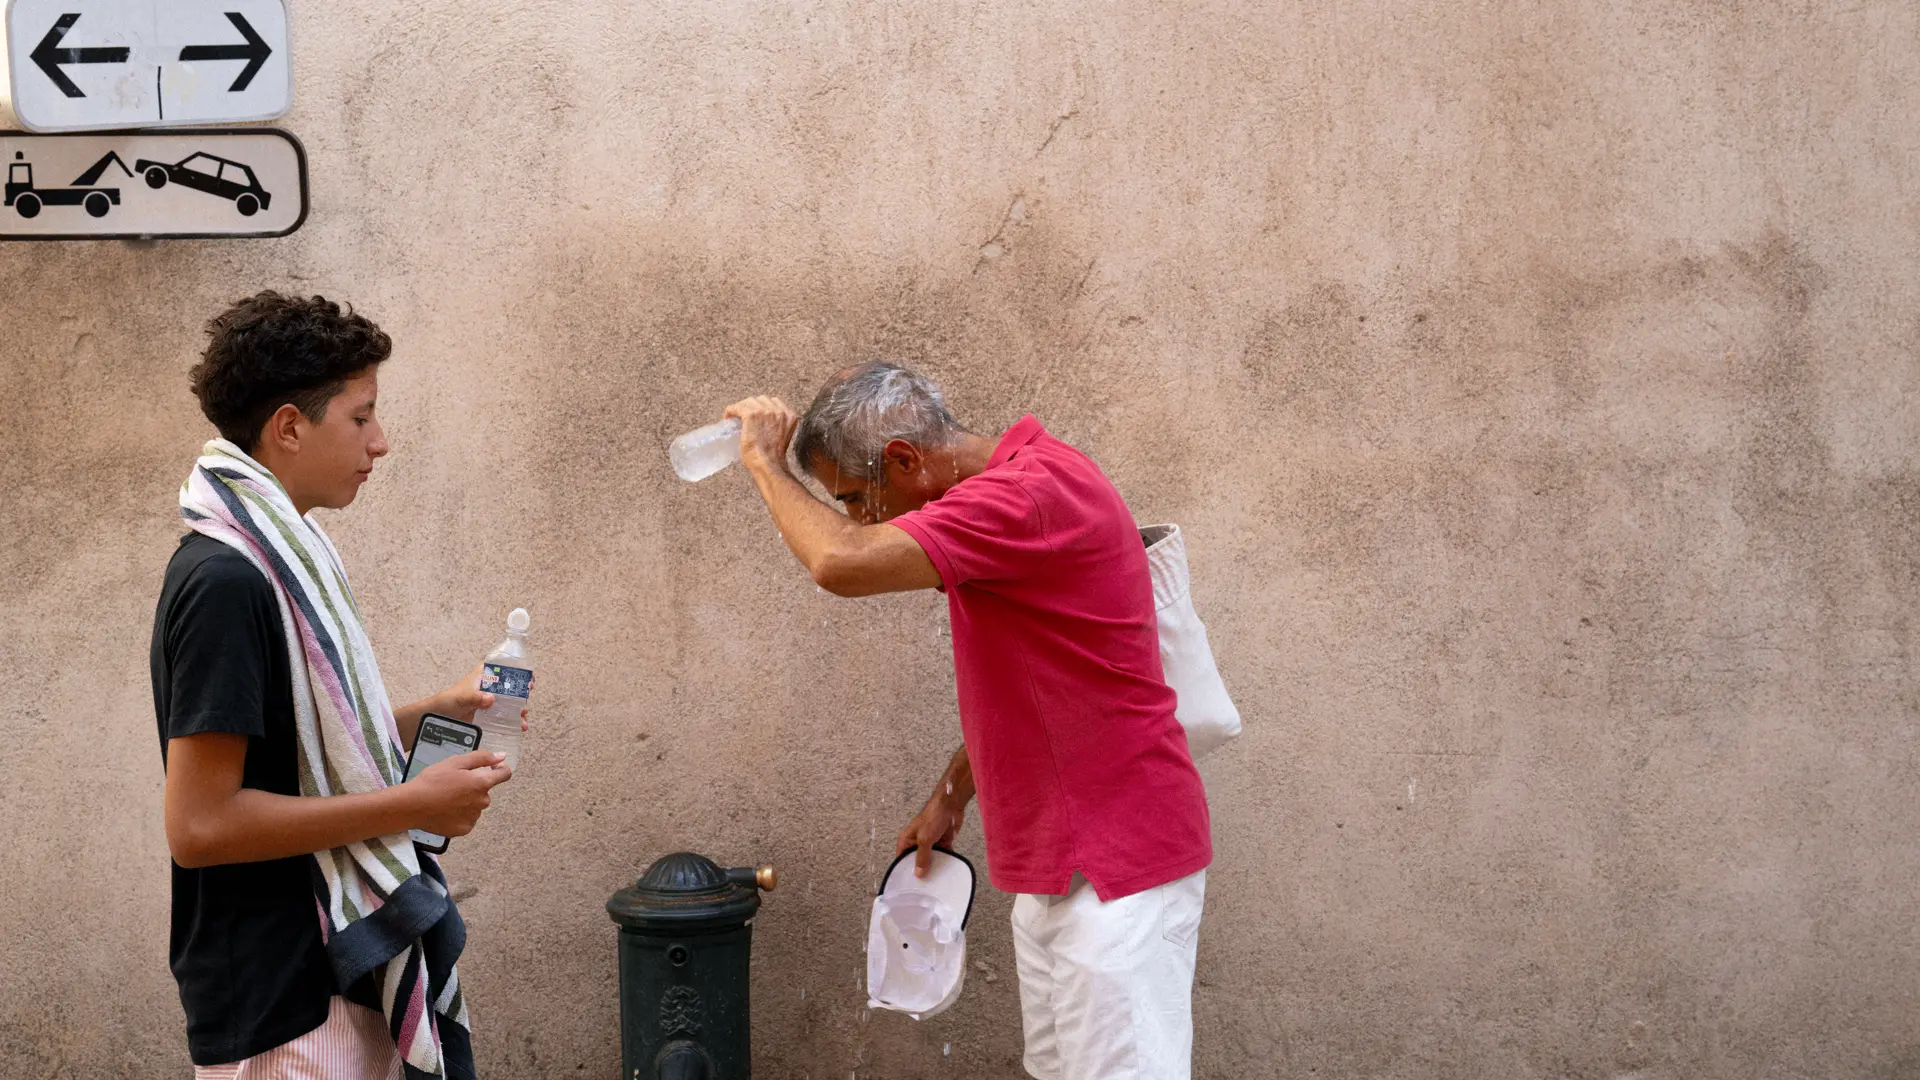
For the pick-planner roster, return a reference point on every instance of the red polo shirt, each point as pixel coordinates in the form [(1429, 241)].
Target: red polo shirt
[(1077, 758)]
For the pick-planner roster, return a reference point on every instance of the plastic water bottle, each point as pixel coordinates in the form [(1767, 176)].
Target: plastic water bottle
[(507, 674), (704, 451)]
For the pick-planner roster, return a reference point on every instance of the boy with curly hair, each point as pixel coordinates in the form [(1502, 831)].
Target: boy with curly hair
[(298, 896)]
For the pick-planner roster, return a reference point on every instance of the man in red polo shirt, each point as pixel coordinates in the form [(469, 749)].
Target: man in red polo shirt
[(1092, 808)]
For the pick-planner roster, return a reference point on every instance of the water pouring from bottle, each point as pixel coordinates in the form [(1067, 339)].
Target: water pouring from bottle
[(705, 450)]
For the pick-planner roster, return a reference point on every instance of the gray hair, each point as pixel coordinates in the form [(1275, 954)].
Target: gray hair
[(862, 409)]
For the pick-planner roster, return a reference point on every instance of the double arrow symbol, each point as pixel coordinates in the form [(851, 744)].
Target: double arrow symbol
[(50, 56)]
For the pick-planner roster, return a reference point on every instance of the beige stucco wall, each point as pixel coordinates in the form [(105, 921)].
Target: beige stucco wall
[(1537, 383)]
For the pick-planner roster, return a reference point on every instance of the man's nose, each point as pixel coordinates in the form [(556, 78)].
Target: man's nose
[(378, 447)]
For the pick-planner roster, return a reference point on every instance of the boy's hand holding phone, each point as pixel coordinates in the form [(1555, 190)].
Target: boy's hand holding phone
[(451, 794)]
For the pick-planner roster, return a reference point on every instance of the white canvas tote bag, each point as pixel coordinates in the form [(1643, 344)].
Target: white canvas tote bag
[(1204, 708)]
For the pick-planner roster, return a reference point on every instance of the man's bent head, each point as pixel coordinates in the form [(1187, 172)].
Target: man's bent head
[(879, 438), (292, 381)]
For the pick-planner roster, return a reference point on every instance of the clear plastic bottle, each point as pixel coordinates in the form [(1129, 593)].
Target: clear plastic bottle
[(507, 674), (704, 451)]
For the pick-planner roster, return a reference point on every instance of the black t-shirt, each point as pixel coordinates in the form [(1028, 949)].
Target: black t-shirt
[(246, 946)]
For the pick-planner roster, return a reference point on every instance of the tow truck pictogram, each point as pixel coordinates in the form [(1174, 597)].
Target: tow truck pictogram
[(27, 200)]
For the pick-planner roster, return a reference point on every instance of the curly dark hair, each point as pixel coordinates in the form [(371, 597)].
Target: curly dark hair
[(271, 350)]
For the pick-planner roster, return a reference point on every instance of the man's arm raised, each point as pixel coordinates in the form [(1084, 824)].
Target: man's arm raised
[(845, 557)]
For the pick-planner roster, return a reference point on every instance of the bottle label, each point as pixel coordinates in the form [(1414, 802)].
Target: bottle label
[(506, 681)]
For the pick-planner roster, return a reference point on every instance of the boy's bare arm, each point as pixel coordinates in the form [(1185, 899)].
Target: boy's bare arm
[(211, 819)]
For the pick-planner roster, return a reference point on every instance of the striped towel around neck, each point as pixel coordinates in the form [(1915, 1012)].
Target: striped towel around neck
[(384, 908)]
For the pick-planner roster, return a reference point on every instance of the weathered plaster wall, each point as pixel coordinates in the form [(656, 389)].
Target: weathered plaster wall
[(1537, 383)]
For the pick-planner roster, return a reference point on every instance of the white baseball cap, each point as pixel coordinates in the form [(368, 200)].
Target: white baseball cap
[(916, 939)]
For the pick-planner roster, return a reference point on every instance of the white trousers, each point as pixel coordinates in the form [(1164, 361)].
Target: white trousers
[(1106, 990), (352, 1045)]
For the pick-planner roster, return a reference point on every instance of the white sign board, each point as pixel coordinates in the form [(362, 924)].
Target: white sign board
[(229, 182), (81, 65)]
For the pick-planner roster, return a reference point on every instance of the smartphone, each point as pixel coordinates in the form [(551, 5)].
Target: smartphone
[(439, 738)]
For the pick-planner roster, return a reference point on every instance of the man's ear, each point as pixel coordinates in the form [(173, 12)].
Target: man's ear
[(903, 458), (282, 429)]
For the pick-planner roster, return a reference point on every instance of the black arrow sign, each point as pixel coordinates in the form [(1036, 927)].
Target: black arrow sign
[(49, 55), (254, 52)]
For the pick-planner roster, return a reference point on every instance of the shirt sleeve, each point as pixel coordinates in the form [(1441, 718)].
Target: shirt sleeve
[(217, 639), (985, 529)]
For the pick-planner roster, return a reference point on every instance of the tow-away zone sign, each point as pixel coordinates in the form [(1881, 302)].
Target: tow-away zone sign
[(211, 182)]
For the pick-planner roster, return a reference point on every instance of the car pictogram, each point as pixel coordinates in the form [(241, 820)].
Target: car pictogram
[(213, 175)]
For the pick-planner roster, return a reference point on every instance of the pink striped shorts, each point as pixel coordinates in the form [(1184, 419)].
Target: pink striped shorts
[(352, 1045)]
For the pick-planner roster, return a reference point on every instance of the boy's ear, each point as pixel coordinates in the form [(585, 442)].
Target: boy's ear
[(282, 429)]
